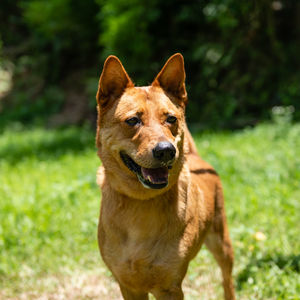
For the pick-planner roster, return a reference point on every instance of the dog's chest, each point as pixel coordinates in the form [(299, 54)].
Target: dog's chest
[(142, 249), (143, 261)]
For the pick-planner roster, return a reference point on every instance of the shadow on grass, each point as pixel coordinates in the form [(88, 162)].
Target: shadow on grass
[(44, 145), (290, 263)]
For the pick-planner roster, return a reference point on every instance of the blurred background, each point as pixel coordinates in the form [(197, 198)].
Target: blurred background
[(243, 81), (242, 57)]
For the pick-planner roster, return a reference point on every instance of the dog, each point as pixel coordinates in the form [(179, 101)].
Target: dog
[(160, 200)]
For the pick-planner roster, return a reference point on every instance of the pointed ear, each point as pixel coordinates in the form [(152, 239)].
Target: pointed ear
[(113, 81), (171, 78)]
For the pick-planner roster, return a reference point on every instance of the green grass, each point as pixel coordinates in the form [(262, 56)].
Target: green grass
[(49, 206)]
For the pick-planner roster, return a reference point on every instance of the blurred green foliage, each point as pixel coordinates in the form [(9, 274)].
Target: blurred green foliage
[(241, 56)]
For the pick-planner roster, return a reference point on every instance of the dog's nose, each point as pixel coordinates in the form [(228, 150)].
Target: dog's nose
[(164, 151)]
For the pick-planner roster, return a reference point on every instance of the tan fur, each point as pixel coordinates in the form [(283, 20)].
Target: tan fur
[(148, 236)]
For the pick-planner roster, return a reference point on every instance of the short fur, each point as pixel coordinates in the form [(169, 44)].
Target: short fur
[(148, 236)]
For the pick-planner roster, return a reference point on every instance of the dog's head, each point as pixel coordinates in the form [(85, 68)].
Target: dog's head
[(140, 129)]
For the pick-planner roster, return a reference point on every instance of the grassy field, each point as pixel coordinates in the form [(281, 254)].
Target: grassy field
[(49, 205)]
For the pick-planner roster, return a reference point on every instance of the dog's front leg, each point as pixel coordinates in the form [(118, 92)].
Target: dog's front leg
[(174, 294), (130, 295)]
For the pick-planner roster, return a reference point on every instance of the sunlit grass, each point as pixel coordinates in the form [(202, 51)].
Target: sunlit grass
[(49, 205)]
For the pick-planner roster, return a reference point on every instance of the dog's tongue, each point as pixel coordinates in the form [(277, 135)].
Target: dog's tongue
[(158, 175)]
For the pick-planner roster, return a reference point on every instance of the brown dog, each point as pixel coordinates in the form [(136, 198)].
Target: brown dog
[(160, 200)]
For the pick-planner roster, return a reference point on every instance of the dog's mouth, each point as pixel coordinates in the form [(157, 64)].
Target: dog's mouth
[(153, 178)]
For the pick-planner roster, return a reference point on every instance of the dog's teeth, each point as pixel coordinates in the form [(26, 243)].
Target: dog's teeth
[(149, 178)]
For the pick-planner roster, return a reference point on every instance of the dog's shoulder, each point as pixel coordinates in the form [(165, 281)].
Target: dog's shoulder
[(203, 176)]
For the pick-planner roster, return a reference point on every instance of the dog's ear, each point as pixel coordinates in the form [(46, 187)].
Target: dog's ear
[(113, 81), (171, 78)]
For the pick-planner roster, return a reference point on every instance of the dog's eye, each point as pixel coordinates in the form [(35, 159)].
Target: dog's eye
[(171, 119), (133, 121)]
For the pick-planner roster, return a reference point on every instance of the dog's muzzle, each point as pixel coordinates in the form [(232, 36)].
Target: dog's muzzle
[(153, 178)]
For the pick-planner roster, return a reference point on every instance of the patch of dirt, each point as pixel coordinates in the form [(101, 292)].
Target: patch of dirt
[(95, 285), (78, 286)]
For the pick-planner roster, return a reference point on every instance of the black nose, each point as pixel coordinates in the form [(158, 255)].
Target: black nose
[(164, 151)]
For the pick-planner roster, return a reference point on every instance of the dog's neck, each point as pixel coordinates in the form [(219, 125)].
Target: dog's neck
[(169, 199)]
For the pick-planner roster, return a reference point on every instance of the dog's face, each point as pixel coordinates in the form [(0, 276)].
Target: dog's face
[(140, 129)]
